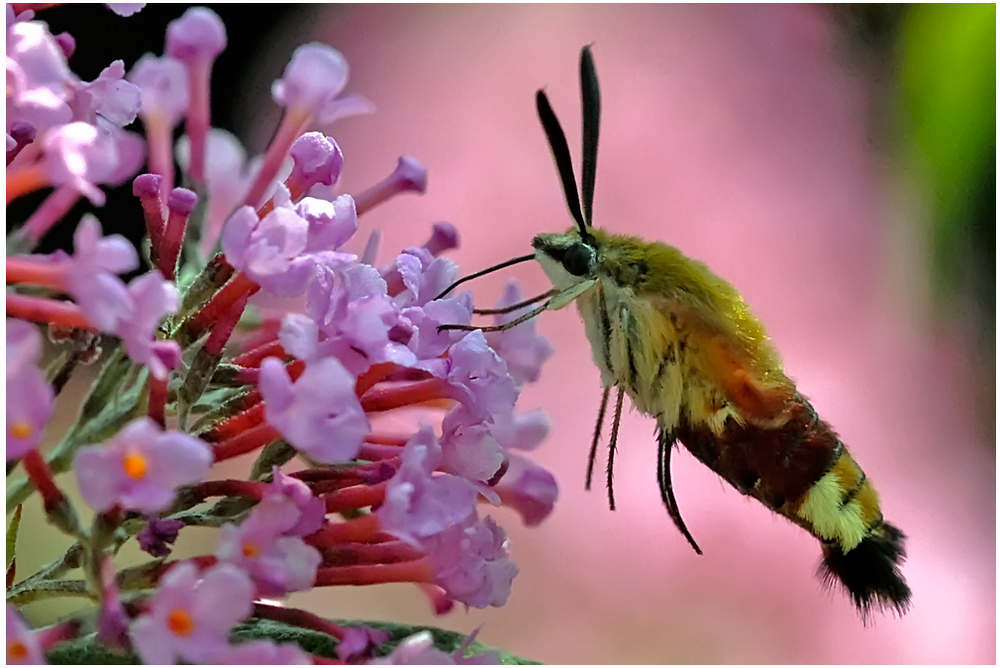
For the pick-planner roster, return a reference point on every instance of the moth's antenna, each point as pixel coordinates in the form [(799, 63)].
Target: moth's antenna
[(560, 151), (488, 270), (591, 92)]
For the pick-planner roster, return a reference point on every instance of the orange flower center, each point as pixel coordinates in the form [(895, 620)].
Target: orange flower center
[(21, 430), (251, 550), (17, 650), (135, 465), (180, 622)]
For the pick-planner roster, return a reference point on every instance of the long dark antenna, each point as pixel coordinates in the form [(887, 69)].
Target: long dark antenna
[(591, 92), (560, 151), (488, 270)]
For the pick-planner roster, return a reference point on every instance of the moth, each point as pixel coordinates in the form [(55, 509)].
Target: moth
[(684, 346)]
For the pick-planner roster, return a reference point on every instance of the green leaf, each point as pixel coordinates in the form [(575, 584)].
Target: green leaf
[(87, 650), (15, 522)]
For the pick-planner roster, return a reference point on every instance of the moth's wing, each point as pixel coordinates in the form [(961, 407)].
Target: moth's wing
[(738, 360)]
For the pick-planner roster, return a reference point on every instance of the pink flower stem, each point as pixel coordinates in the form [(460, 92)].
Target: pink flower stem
[(237, 287), (149, 189), (51, 211), (248, 376), (41, 477), (419, 570), (251, 417), (376, 373), (387, 439), (52, 311), (386, 399), (223, 328), (24, 180), (359, 496), (198, 119), (161, 159), (180, 203), (376, 452), (247, 441), (300, 618), (253, 358), (27, 269), (442, 603), (47, 638), (364, 529), (389, 552), (158, 400), (294, 121), (253, 490)]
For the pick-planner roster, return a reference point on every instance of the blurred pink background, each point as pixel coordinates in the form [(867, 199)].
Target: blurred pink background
[(738, 134)]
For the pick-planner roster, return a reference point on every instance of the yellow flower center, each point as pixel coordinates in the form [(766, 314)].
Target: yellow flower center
[(180, 622), (135, 465), (21, 430), (17, 650)]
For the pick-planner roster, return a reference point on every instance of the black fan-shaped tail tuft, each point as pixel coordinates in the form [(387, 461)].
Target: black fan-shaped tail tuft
[(870, 572)]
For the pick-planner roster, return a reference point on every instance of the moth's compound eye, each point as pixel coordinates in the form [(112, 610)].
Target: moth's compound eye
[(578, 259)]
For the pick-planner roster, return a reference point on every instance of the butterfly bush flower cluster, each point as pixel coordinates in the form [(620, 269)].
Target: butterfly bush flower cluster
[(376, 443)]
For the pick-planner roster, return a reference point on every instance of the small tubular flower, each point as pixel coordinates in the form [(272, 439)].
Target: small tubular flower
[(319, 414), (140, 468), (419, 504), (191, 614), (29, 396), (473, 564), (278, 563)]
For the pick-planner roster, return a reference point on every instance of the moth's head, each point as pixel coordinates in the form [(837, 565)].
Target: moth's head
[(566, 258)]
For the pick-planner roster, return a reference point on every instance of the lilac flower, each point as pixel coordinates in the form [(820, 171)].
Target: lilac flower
[(109, 101), (152, 298), (163, 88), (263, 652), (477, 376), (469, 448), (312, 511), (330, 223), (360, 642), (91, 274), (125, 8), (320, 414), (272, 251), (278, 564), (317, 160), (29, 396), (424, 276), (140, 467), (312, 80), (39, 82), (427, 342), (23, 647), (472, 564), (197, 36), (112, 621), (419, 504), (157, 535), (520, 431), (82, 156), (334, 288), (444, 237), (191, 616), (528, 489), (520, 347)]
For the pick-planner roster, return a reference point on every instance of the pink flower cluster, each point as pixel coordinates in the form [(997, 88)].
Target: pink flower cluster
[(378, 435)]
